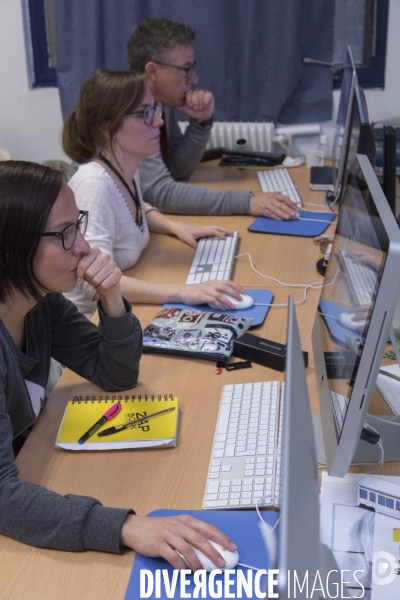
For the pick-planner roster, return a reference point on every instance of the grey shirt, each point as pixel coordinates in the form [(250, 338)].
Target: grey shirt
[(159, 185), (107, 355)]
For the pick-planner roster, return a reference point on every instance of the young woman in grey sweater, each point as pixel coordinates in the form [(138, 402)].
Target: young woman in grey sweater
[(42, 253)]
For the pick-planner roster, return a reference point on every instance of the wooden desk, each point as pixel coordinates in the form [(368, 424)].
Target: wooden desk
[(151, 479)]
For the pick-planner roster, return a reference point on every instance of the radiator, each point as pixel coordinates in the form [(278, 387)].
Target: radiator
[(241, 135)]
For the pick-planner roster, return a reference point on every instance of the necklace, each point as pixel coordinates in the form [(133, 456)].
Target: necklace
[(134, 195)]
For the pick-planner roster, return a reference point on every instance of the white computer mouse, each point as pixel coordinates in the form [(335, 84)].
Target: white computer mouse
[(231, 558), (246, 302), (347, 319)]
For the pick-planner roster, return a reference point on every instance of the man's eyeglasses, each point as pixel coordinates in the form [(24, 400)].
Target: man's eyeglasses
[(148, 113), (188, 70), (69, 233)]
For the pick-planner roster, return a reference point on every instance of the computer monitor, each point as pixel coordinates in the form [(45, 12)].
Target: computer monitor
[(361, 137), (343, 123), (367, 243), (300, 551), (331, 178), (389, 165)]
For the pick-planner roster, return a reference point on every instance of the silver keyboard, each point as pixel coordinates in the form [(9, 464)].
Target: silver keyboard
[(213, 259), (279, 180), (246, 459), (360, 278)]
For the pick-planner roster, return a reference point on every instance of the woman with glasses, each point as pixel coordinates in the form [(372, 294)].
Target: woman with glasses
[(42, 253), (113, 127)]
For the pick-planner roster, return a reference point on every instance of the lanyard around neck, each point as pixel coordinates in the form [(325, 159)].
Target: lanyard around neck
[(134, 196)]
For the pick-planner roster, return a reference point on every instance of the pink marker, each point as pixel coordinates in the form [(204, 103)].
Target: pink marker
[(110, 414)]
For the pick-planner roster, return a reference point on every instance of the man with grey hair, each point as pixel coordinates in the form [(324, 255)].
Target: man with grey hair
[(164, 51)]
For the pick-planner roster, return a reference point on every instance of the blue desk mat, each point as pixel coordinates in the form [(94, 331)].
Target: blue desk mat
[(257, 313), (336, 330), (293, 226), (241, 526)]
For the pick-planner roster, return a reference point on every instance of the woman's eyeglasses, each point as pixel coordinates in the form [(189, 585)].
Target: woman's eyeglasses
[(69, 233), (149, 112)]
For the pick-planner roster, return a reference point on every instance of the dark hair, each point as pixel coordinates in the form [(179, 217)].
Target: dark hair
[(27, 194), (154, 39), (105, 98)]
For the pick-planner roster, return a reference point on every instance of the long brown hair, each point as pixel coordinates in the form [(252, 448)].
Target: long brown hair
[(105, 98)]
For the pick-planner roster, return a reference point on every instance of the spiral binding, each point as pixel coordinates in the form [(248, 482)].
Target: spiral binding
[(139, 398)]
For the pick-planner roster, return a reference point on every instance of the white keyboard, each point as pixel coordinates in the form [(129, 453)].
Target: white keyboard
[(246, 459), (279, 180), (360, 278), (213, 259), (339, 405)]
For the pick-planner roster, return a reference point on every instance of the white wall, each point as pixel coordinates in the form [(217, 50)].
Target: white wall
[(30, 119), (31, 122)]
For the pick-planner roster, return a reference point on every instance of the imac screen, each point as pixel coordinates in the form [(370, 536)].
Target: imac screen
[(352, 323), (343, 122)]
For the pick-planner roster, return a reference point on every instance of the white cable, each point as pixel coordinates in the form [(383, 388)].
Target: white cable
[(329, 316), (268, 534), (306, 286), (380, 463), (328, 210), (260, 516), (271, 543), (315, 220), (381, 460), (384, 420), (249, 567), (300, 285)]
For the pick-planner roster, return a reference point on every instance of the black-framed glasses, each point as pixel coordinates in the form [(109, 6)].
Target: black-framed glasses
[(69, 233), (187, 70), (148, 113)]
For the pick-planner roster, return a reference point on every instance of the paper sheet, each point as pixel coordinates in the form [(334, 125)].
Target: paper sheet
[(355, 535), (390, 388)]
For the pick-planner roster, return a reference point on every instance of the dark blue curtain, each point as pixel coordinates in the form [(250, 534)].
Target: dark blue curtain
[(249, 52)]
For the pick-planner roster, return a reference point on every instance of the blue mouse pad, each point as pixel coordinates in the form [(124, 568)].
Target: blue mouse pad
[(257, 313), (294, 226), (241, 526), (330, 312)]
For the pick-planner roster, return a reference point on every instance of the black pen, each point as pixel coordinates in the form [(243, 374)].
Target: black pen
[(112, 430)]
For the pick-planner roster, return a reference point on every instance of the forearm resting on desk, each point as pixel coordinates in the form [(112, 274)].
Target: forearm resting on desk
[(163, 536)]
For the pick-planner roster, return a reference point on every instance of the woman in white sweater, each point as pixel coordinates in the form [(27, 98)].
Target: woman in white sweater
[(114, 126)]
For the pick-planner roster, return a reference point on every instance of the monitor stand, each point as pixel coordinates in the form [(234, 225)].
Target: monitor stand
[(367, 453), (390, 434)]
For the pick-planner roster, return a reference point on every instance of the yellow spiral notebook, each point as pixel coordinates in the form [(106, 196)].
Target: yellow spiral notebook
[(82, 413)]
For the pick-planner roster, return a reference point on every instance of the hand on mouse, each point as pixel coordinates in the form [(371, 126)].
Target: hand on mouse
[(162, 536), (210, 292), (272, 205)]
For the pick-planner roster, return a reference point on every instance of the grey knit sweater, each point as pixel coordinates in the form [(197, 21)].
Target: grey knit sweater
[(107, 355), (160, 188)]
